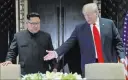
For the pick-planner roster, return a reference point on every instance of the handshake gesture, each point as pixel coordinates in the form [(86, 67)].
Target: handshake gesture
[(50, 55)]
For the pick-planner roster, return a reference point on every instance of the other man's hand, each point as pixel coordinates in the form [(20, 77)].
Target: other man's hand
[(51, 55)]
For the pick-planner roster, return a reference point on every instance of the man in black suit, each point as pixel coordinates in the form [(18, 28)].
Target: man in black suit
[(31, 46), (98, 38)]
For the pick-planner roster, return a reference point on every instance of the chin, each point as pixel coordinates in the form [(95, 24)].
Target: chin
[(89, 22)]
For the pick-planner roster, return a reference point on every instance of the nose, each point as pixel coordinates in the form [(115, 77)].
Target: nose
[(35, 25)]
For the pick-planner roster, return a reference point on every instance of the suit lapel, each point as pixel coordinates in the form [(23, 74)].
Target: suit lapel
[(89, 39), (101, 30), (88, 32)]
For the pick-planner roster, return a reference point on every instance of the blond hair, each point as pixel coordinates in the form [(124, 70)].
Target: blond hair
[(90, 7)]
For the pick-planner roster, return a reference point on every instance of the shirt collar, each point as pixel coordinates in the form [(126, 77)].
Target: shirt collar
[(97, 21)]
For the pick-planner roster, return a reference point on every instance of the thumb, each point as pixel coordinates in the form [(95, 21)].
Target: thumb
[(47, 51)]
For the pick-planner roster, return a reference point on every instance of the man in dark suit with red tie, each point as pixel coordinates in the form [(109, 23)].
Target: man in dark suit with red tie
[(98, 39)]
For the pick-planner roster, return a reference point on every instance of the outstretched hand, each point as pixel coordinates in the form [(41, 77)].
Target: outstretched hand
[(51, 55)]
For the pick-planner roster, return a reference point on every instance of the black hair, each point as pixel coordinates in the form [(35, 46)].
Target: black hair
[(33, 14)]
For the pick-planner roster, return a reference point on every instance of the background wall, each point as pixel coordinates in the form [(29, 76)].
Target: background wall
[(7, 25), (115, 10)]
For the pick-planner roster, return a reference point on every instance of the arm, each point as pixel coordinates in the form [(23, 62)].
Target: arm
[(13, 50), (118, 43), (64, 48)]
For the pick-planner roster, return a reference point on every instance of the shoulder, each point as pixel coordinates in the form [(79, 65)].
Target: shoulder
[(20, 33), (45, 34), (107, 20), (81, 25)]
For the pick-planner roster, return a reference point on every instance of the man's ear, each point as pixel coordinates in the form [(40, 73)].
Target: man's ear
[(97, 14)]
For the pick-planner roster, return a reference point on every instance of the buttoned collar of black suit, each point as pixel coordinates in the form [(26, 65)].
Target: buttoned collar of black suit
[(33, 34)]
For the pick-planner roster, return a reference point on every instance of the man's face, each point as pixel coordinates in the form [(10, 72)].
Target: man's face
[(90, 17), (33, 24)]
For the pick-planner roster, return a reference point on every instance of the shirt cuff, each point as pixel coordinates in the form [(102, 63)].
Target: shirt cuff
[(56, 55)]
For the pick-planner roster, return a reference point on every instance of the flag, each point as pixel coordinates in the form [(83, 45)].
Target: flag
[(125, 42)]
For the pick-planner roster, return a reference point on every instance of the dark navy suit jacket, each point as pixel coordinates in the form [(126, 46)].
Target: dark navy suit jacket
[(111, 42)]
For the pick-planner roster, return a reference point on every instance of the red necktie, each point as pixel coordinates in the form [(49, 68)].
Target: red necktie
[(98, 44)]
